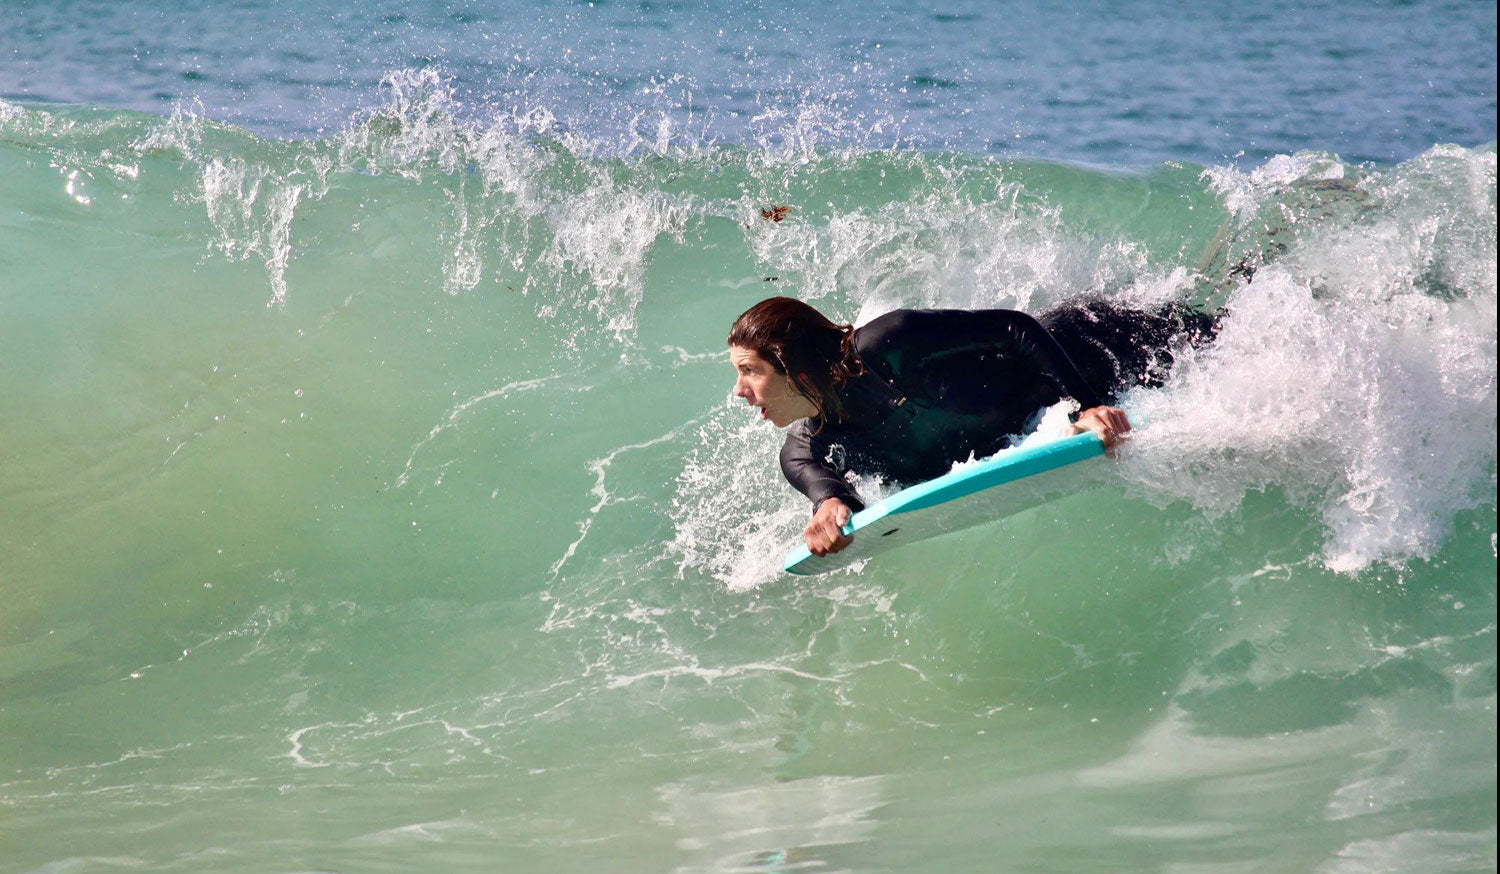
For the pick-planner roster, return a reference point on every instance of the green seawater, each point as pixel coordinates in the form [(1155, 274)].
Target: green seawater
[(376, 503)]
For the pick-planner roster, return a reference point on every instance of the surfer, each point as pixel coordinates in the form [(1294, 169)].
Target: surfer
[(913, 391)]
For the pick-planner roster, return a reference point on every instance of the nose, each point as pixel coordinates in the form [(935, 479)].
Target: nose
[(741, 390)]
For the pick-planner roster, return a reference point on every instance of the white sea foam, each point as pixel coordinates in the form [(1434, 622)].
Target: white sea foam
[(1343, 378), (733, 514)]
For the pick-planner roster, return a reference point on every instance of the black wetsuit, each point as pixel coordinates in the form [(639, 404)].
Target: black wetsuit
[(941, 384)]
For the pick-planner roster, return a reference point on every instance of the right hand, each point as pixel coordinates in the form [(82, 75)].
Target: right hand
[(1109, 423), (825, 534)]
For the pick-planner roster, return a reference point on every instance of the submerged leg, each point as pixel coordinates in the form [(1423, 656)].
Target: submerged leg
[(1118, 348)]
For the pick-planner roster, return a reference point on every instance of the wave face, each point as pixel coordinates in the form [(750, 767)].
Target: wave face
[(376, 501)]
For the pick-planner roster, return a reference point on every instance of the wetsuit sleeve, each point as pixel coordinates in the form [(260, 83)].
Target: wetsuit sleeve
[(907, 341), (807, 469)]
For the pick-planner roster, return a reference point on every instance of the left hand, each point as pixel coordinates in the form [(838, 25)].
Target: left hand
[(1108, 422), (825, 533)]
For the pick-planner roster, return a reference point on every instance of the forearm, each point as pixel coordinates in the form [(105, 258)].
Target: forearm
[(820, 484), (813, 477)]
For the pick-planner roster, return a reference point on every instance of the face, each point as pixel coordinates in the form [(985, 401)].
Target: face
[(761, 386)]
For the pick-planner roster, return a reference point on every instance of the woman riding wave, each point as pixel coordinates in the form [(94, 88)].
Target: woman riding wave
[(913, 391)]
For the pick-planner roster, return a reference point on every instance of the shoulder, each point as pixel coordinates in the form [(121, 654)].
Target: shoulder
[(898, 326), (803, 432), (901, 337), (883, 328), (803, 441), (876, 340)]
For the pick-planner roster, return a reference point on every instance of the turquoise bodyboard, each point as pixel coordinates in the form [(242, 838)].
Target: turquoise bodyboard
[(1012, 481)]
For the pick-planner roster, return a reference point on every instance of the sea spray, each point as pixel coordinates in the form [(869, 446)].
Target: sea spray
[(1355, 372)]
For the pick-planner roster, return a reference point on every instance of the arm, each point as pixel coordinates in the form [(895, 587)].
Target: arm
[(906, 340), (804, 464), (834, 501)]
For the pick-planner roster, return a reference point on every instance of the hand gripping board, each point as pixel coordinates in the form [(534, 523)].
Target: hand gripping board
[(1009, 482)]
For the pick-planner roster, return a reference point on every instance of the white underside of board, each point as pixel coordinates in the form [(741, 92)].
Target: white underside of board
[(984, 492)]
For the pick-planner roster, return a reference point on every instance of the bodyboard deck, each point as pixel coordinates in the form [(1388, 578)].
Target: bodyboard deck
[(1014, 480)]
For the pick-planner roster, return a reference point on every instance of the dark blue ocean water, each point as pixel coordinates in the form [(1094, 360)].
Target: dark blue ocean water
[(1130, 83)]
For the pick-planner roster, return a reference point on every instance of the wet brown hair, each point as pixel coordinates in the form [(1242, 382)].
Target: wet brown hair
[(803, 344)]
